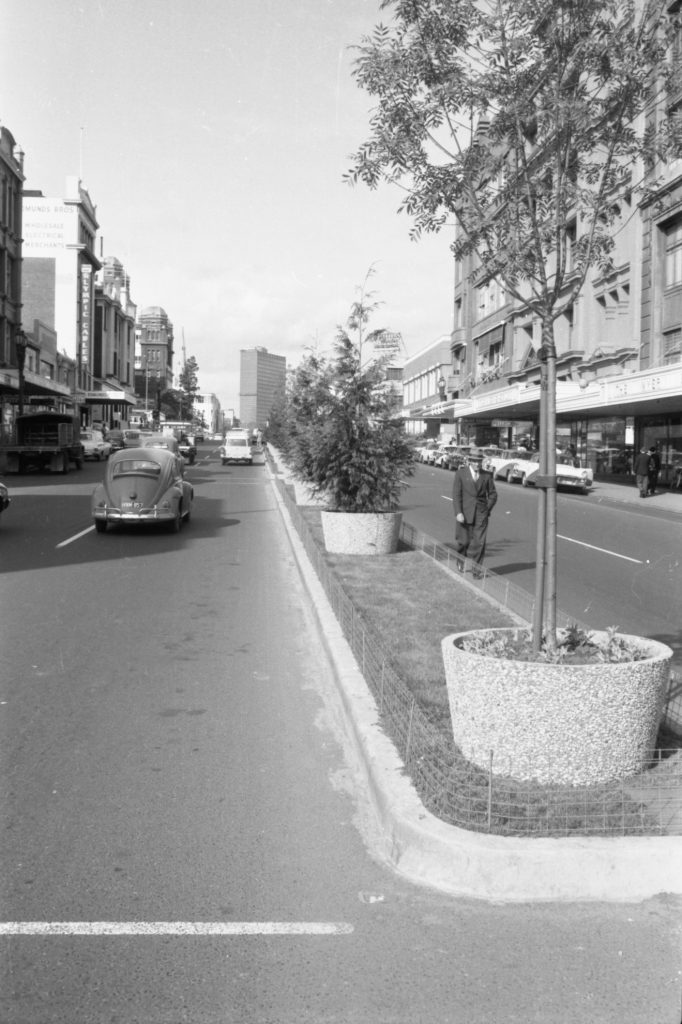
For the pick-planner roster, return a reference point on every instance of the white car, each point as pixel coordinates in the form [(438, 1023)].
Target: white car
[(236, 448), (577, 478), (94, 445), (502, 462)]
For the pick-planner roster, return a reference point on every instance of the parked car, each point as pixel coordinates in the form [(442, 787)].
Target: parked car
[(236, 448), (132, 438), (501, 464), (442, 455), (116, 440), (5, 499), (94, 445), (424, 453), (143, 485), (199, 437), (568, 475), (459, 456), (188, 448)]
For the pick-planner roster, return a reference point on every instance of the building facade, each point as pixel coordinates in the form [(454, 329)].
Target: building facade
[(59, 269), (261, 379), (113, 350), (153, 355)]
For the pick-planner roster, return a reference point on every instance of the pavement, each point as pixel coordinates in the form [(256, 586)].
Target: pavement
[(430, 852)]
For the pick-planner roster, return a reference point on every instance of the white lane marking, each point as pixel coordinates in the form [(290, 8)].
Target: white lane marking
[(175, 928), (76, 536), (604, 551)]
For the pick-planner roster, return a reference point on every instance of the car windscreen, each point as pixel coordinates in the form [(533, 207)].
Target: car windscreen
[(136, 467), (236, 442)]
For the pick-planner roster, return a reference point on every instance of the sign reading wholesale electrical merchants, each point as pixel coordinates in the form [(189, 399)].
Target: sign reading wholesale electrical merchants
[(86, 281), (387, 344)]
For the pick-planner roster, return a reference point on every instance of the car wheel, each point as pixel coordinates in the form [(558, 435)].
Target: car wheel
[(65, 463), (223, 462), (101, 525), (524, 480), (177, 522), (188, 516)]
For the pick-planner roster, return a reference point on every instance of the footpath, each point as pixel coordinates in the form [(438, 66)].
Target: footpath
[(427, 850)]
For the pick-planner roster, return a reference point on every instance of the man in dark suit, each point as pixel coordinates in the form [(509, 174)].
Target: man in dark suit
[(473, 496)]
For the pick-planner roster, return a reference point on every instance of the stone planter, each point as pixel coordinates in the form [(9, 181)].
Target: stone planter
[(306, 496), (575, 724), (361, 533)]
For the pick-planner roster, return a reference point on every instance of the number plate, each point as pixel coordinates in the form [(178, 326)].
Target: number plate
[(132, 504)]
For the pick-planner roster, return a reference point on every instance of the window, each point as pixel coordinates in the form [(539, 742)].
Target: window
[(672, 347), (673, 254)]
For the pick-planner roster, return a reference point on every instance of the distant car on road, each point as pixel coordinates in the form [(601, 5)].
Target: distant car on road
[(116, 440), (94, 445), (236, 448), (143, 485)]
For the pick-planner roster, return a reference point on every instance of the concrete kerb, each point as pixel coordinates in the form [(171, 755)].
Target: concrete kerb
[(430, 852)]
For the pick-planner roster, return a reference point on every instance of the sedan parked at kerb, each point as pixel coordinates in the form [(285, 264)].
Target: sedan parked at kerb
[(143, 485)]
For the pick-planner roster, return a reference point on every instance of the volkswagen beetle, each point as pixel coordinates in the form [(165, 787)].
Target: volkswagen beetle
[(143, 485)]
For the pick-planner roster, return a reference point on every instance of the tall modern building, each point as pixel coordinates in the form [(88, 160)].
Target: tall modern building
[(261, 379)]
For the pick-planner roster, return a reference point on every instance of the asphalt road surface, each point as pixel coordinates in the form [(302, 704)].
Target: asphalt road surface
[(618, 565), (184, 838)]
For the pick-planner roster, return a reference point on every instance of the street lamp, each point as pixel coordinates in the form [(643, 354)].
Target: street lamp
[(21, 344)]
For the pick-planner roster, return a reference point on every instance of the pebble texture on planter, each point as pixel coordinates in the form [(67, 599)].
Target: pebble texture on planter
[(575, 724), (361, 533)]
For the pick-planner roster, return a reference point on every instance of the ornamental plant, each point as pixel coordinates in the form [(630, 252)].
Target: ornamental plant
[(345, 434)]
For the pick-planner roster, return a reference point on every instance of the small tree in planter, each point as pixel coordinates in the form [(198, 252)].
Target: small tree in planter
[(572, 104), (307, 394), (352, 447)]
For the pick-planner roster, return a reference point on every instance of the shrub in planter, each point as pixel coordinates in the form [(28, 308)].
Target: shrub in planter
[(346, 438)]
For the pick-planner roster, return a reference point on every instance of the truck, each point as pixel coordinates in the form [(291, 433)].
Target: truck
[(44, 440)]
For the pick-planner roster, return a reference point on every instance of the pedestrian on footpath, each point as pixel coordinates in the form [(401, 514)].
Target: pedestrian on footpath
[(474, 496), (641, 471), (654, 469)]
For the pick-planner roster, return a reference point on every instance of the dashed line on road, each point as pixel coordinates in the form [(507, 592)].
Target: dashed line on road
[(188, 928), (76, 536)]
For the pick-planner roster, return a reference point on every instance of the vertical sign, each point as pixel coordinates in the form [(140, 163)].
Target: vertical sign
[(86, 274)]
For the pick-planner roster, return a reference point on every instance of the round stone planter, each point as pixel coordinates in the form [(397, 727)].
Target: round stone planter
[(305, 494), (361, 533), (574, 724)]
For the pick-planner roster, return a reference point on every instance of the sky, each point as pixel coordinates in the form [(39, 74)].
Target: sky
[(212, 137)]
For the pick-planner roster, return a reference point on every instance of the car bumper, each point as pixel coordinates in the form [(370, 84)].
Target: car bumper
[(110, 514)]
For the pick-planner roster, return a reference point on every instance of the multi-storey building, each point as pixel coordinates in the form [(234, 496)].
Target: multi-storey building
[(207, 409), (59, 268), (31, 368), (261, 379), (113, 350), (153, 355)]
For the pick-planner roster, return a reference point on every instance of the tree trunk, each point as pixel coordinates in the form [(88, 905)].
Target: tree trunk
[(544, 612)]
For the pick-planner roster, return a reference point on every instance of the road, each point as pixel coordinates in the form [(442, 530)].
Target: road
[(618, 565), (184, 838)]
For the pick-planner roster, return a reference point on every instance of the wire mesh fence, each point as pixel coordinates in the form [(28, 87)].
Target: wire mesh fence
[(463, 794)]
